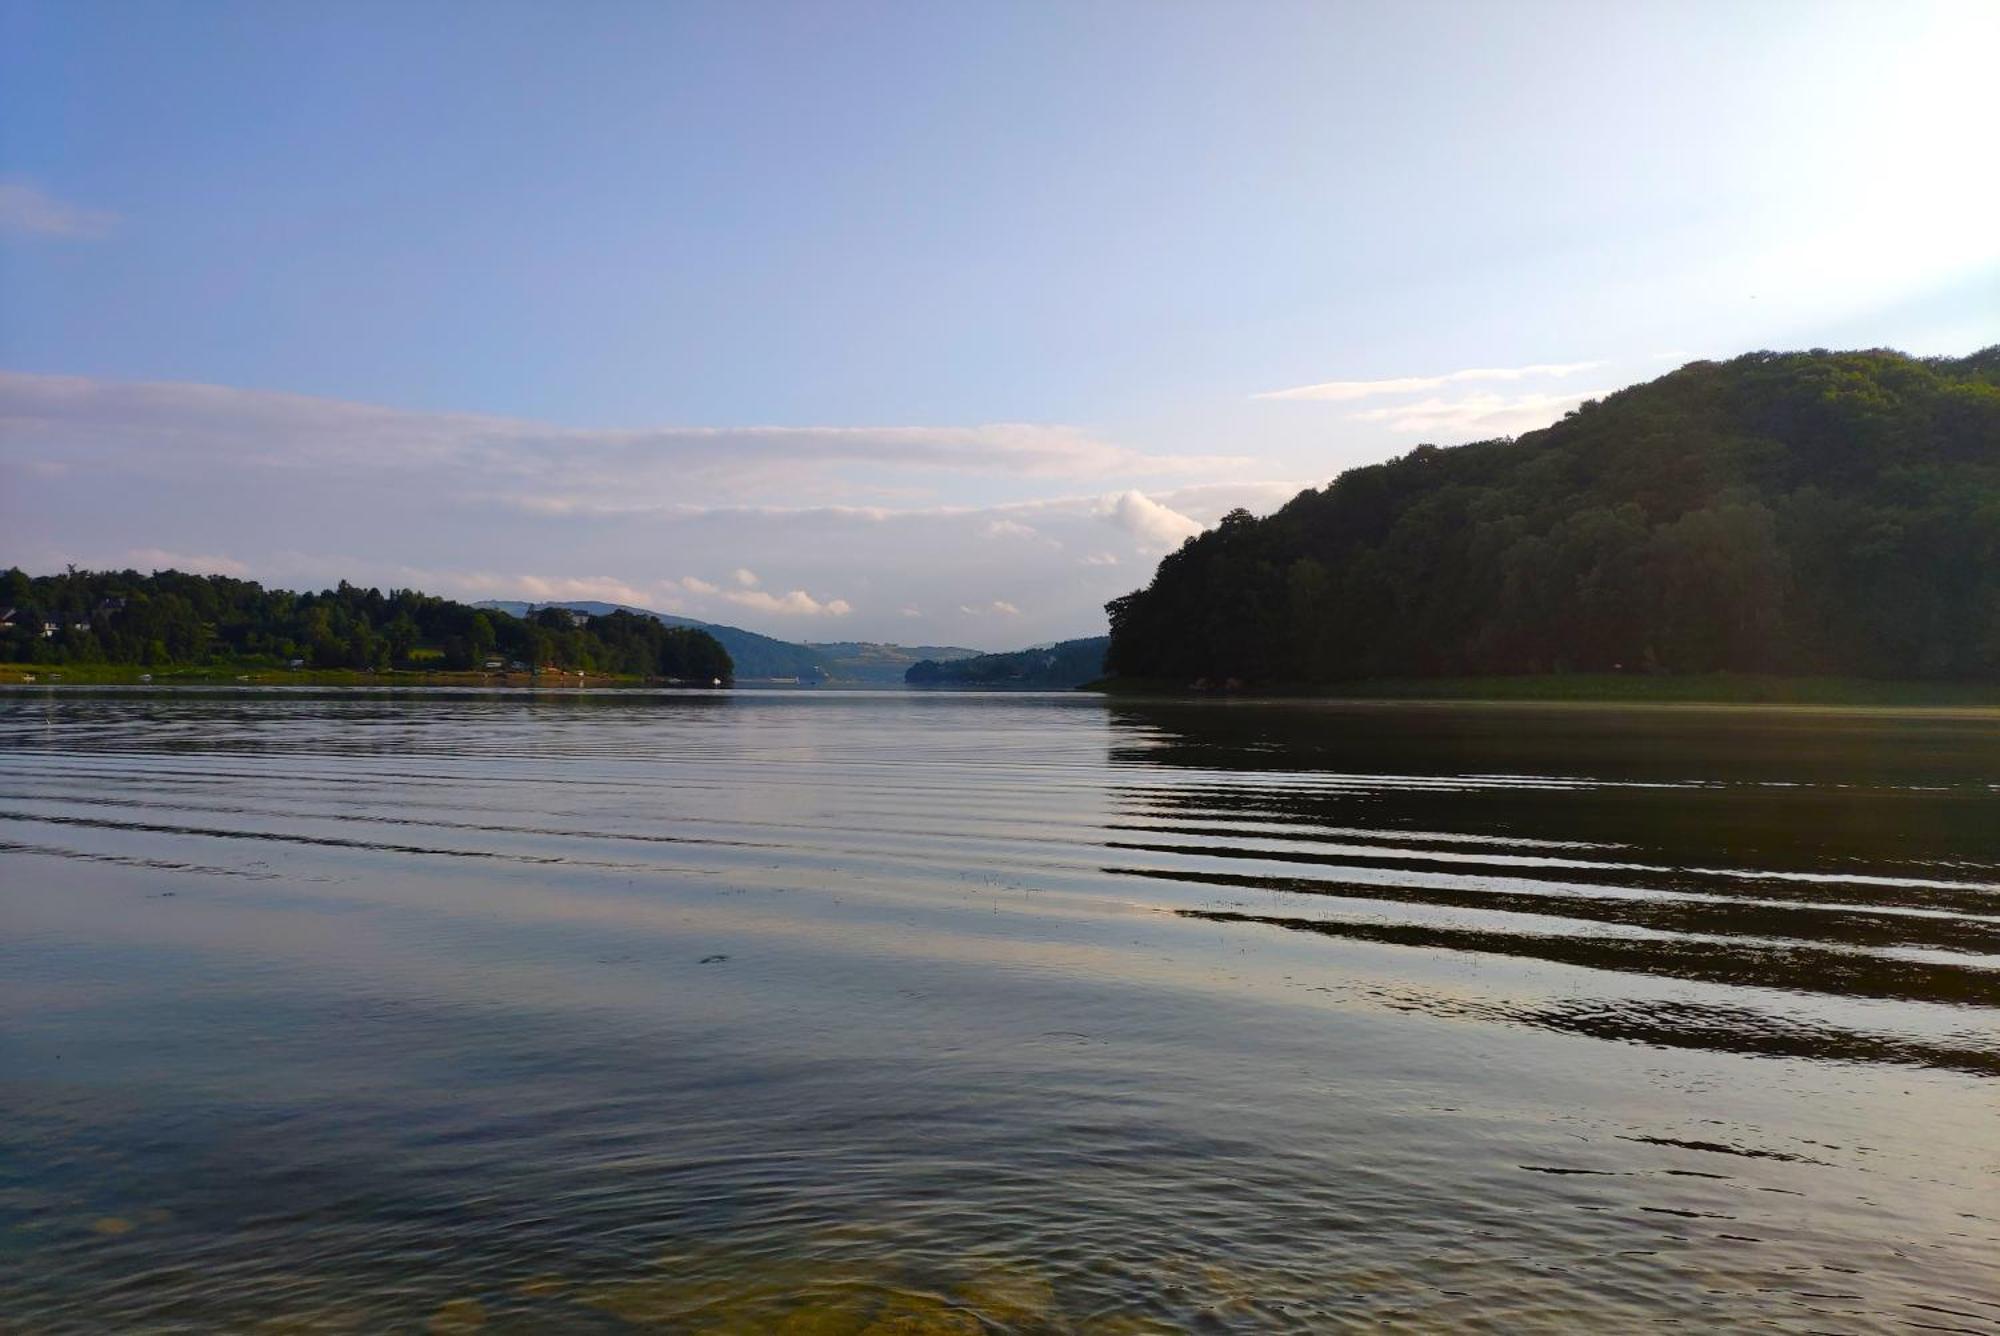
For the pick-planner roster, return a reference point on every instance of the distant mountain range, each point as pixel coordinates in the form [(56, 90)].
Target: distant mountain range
[(758, 656)]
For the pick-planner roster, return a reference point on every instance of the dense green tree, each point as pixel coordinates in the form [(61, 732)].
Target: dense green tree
[(479, 632), (168, 618)]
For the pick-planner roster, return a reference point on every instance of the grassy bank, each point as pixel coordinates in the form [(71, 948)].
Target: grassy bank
[(1710, 689)]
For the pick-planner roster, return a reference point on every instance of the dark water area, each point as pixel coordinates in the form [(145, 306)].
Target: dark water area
[(872, 1012)]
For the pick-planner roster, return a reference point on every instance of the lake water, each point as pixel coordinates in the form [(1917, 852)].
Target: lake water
[(842, 1012)]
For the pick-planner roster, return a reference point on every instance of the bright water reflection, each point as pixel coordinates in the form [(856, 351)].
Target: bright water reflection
[(874, 1012)]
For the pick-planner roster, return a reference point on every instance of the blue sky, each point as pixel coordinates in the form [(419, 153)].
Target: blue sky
[(925, 322)]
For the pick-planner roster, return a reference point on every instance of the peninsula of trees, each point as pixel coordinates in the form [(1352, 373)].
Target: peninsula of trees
[(1795, 513), (170, 619)]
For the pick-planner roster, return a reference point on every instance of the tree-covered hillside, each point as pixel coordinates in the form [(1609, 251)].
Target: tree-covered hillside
[(1791, 513), (172, 619), (1067, 663)]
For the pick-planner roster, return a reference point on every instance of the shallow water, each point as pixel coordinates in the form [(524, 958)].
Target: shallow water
[(842, 1012)]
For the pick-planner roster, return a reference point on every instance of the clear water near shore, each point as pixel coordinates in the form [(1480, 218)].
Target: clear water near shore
[(349, 1010)]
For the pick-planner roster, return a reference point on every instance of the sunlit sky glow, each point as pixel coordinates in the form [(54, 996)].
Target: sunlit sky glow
[(934, 323)]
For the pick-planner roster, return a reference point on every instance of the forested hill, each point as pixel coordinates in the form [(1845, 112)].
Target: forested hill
[(1781, 512), (1067, 663), (170, 619)]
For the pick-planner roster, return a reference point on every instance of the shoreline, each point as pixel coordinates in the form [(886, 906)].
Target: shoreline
[(129, 675), (1711, 691), (1707, 690)]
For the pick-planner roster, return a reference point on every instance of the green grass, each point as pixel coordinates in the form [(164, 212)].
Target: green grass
[(1708, 689)]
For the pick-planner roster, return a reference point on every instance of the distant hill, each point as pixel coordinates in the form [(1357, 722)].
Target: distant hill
[(758, 656), (1068, 663), (1793, 513)]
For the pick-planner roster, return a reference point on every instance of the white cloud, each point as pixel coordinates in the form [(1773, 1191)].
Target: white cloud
[(746, 594), (798, 603), (564, 589), (918, 566), (303, 493), (1194, 499), (1010, 529), (1216, 499), (1368, 389), (1479, 414), (27, 209), (1153, 525)]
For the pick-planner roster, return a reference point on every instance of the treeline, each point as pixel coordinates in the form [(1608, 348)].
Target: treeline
[(1067, 663), (1808, 513), (169, 619)]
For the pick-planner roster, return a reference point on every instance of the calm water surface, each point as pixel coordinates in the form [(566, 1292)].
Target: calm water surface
[(834, 1013)]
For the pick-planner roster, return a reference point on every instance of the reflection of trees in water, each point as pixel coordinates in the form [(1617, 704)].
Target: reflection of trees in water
[(1781, 790), (1818, 855)]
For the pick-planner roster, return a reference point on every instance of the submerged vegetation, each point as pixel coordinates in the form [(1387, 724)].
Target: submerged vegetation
[(172, 620), (1796, 514)]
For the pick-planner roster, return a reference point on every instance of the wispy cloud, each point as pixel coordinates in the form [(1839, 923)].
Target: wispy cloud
[(539, 466), (1342, 390), (1479, 414), (28, 210)]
